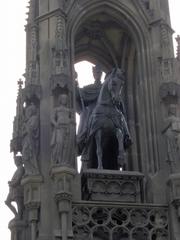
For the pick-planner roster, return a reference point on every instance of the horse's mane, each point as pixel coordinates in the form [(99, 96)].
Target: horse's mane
[(106, 89)]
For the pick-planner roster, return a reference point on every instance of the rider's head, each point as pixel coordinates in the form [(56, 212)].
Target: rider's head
[(97, 73)]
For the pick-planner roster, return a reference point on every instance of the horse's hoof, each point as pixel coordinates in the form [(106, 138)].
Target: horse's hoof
[(122, 167), (100, 167)]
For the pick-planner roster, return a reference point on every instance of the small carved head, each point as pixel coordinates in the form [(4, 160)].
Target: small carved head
[(63, 99), (172, 111), (30, 111)]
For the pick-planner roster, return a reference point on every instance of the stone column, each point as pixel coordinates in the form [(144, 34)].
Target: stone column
[(63, 178), (174, 204), (32, 201)]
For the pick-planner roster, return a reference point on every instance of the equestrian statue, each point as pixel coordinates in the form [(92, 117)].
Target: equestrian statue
[(103, 135)]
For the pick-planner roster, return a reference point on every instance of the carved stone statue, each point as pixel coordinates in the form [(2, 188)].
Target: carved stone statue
[(61, 119), (30, 143), (171, 131), (106, 127), (86, 99), (16, 190)]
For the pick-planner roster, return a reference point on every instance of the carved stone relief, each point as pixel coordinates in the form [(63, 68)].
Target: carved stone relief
[(16, 190), (167, 69), (81, 233), (32, 67), (114, 223), (169, 91), (140, 233), (171, 132), (108, 186), (147, 6), (178, 47), (139, 217), (120, 233), (166, 35), (60, 66), (61, 120)]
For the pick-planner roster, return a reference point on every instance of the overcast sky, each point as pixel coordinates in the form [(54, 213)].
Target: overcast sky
[(12, 62)]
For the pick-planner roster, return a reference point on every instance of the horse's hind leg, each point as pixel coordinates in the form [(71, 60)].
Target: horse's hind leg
[(98, 138), (121, 154)]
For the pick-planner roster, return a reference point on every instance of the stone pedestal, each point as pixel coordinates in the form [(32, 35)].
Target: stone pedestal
[(108, 185), (32, 201), (174, 191), (17, 228), (63, 180)]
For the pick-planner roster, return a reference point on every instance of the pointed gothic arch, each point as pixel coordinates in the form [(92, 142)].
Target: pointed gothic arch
[(138, 64)]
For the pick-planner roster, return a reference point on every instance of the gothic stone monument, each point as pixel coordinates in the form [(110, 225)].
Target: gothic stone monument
[(129, 133)]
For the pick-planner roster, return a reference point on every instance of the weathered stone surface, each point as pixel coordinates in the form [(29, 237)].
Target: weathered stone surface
[(136, 37), (16, 190), (171, 131), (63, 178), (30, 140), (120, 221), (17, 228)]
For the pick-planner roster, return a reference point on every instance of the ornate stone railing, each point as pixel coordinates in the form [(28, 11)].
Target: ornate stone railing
[(97, 220)]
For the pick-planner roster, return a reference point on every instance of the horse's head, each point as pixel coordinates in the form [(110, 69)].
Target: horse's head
[(116, 80)]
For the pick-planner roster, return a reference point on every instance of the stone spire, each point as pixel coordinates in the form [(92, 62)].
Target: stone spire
[(60, 62), (32, 87), (16, 139), (178, 48), (32, 11), (32, 39)]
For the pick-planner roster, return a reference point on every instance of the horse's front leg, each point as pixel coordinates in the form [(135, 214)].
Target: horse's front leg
[(121, 153), (98, 138)]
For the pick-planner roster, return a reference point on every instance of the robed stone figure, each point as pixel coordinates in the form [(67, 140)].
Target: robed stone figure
[(171, 131), (30, 140), (61, 141)]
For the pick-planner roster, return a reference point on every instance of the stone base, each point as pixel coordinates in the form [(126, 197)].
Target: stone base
[(112, 185), (174, 186), (17, 228), (56, 170), (59, 236)]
